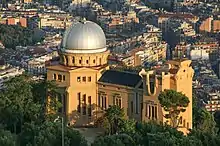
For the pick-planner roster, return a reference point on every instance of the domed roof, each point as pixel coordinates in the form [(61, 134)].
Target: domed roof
[(84, 37)]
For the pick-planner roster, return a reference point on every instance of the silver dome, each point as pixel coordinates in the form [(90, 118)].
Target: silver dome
[(84, 37)]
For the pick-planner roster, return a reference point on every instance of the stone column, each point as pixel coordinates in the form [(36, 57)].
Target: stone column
[(70, 61)]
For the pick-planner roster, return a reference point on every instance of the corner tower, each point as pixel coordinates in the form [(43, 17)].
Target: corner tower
[(176, 75), (83, 57)]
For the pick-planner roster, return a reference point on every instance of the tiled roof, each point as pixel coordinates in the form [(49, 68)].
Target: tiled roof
[(120, 78), (187, 16)]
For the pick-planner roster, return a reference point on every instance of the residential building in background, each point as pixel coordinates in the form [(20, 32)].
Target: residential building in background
[(7, 73), (210, 25)]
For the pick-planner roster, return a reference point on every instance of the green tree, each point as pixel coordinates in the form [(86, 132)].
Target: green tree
[(15, 35), (202, 119), (49, 134), (22, 111), (206, 139), (174, 103), (20, 104), (217, 120), (114, 115), (6, 138), (114, 140), (153, 134), (112, 119), (127, 126), (16, 100), (41, 91)]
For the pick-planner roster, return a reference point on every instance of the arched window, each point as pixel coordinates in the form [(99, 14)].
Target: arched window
[(54, 76), (80, 61), (187, 125), (73, 60), (60, 77), (61, 59), (67, 61)]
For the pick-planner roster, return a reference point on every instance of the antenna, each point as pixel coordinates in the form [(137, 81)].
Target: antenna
[(129, 8), (84, 10), (77, 7), (116, 7)]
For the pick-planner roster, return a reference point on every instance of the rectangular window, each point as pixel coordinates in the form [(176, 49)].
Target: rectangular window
[(153, 113), (146, 112), (84, 109), (132, 107), (79, 103), (118, 101), (102, 98), (89, 79), (90, 106), (78, 79), (60, 77), (119, 104), (84, 79), (137, 103), (99, 100), (89, 100), (64, 78), (181, 120), (87, 61), (90, 111), (105, 104), (80, 61), (54, 76), (84, 98), (149, 110)]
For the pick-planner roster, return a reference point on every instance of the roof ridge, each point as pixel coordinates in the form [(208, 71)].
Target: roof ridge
[(123, 71)]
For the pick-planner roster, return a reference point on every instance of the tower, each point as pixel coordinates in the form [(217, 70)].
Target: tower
[(176, 75), (83, 57)]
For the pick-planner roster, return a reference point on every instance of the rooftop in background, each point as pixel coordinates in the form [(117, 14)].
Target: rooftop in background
[(179, 16)]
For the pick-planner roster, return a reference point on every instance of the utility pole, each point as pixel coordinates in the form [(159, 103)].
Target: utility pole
[(62, 122), (62, 131)]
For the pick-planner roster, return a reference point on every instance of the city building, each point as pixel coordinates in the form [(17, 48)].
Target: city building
[(167, 4), (83, 57), (206, 25), (117, 22), (7, 73), (79, 4), (88, 87), (27, 1), (54, 22), (199, 50), (17, 21), (210, 25), (213, 103), (37, 65)]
